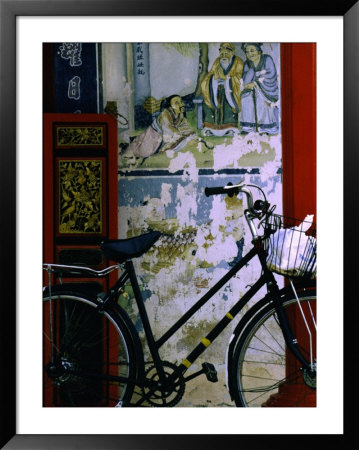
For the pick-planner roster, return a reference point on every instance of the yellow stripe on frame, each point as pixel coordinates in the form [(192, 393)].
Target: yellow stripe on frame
[(206, 342), (229, 315), (186, 363)]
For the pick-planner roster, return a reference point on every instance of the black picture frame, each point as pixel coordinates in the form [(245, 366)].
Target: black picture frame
[(9, 10)]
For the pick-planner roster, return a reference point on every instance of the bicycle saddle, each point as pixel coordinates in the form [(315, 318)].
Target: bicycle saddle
[(120, 250)]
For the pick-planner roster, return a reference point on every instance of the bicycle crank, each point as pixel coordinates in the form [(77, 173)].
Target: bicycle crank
[(163, 396)]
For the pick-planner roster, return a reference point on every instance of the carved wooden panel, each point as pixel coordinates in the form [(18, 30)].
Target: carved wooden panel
[(80, 136), (81, 185)]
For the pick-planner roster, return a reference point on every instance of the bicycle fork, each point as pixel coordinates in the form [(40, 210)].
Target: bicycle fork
[(290, 339), (288, 334)]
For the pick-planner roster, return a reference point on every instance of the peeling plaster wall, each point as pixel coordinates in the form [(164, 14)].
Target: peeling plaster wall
[(201, 238), (200, 242)]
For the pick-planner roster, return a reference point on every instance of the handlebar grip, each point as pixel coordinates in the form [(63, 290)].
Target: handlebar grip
[(214, 191), (222, 190)]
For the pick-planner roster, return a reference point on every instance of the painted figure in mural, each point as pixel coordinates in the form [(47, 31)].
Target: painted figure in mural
[(220, 89), (260, 94), (168, 131)]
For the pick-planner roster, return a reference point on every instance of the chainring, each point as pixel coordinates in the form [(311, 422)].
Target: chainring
[(160, 397)]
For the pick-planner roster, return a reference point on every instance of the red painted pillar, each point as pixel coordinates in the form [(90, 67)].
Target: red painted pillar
[(53, 241), (299, 129), (298, 83)]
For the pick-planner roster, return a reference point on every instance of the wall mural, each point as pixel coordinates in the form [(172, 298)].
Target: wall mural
[(215, 101)]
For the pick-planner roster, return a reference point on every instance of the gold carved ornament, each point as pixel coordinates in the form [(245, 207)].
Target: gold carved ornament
[(80, 196), (79, 136)]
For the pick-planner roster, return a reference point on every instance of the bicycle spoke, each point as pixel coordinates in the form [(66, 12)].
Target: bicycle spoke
[(93, 355), (273, 337), (262, 358), (255, 399), (49, 340), (85, 325), (265, 351)]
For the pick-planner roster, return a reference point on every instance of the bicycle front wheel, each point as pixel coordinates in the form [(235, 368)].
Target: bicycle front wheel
[(89, 356), (263, 371)]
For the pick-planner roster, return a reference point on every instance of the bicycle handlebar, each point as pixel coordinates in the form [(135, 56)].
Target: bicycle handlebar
[(255, 210), (231, 190), (221, 190)]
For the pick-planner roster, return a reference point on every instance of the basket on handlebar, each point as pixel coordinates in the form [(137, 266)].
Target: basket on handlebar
[(291, 246)]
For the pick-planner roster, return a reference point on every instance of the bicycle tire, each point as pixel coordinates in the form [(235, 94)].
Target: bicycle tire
[(258, 364), (91, 348)]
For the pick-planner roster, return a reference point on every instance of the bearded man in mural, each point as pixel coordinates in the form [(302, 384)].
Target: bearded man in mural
[(259, 111), (168, 131), (220, 90)]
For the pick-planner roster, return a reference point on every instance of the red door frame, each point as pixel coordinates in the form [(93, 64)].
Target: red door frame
[(299, 131), (48, 180), (49, 234), (298, 95)]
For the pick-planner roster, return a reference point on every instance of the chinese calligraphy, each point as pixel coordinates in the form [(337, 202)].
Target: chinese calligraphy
[(72, 52), (139, 60), (74, 88)]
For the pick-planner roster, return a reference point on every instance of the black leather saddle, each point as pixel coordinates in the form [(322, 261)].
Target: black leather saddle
[(120, 250)]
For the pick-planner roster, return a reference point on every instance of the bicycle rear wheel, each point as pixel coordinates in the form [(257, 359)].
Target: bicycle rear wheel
[(262, 366), (89, 356)]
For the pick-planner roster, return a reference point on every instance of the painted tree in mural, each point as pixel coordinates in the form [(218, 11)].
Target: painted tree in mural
[(202, 66)]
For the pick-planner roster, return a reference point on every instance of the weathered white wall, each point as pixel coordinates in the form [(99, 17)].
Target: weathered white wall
[(201, 234), (180, 268)]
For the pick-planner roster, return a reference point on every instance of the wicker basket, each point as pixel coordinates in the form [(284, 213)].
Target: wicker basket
[(291, 245)]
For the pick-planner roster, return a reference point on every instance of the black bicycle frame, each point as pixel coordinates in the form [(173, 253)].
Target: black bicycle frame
[(266, 278)]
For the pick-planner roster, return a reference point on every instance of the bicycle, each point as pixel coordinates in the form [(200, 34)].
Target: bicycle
[(93, 355)]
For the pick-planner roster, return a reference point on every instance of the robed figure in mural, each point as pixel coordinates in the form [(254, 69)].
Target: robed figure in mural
[(259, 111), (220, 90), (169, 130)]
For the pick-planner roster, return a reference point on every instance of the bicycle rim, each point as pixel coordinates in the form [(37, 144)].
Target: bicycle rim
[(265, 372), (90, 350)]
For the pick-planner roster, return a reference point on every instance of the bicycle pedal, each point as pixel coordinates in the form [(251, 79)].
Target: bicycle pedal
[(210, 372), (123, 404)]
